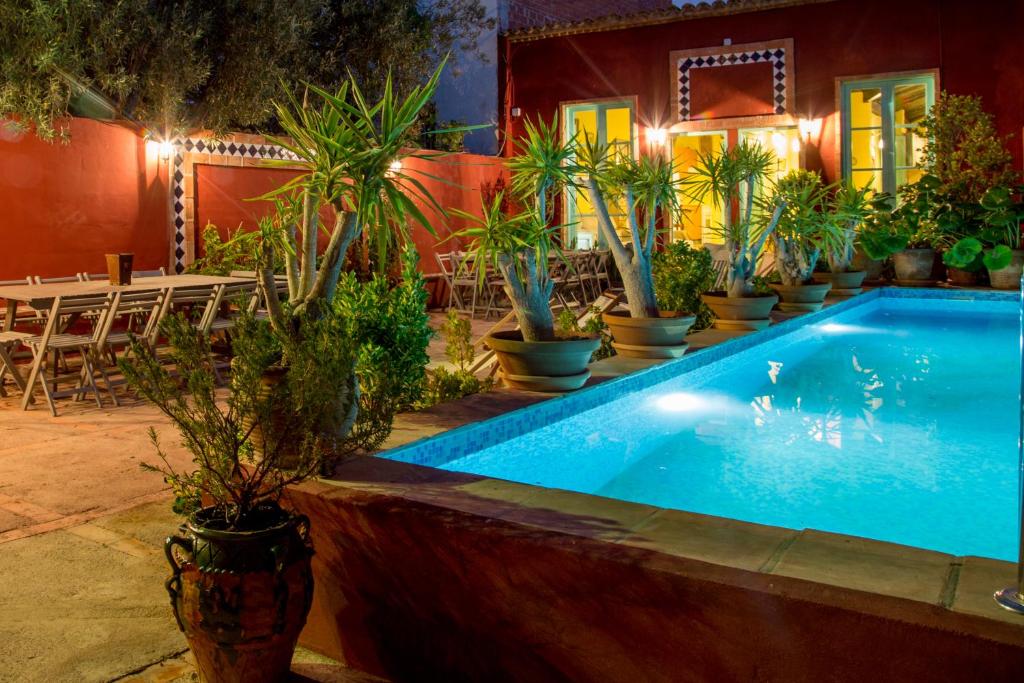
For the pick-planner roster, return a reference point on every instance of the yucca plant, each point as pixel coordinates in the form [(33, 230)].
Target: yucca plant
[(349, 152), (848, 208), (733, 178), (519, 245), (804, 228), (646, 188)]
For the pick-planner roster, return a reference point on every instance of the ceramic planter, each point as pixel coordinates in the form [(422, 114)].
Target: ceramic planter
[(241, 598), (872, 267), (802, 298), (1008, 277), (961, 278), (661, 337), (554, 366), (843, 284), (914, 265), (741, 312)]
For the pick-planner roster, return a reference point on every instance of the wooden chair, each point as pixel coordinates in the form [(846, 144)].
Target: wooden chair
[(53, 339), (602, 278), (131, 314), (36, 280), (93, 277), (156, 272), (9, 341)]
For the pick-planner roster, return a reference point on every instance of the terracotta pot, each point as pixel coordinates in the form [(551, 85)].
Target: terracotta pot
[(119, 268), (914, 264), (802, 298), (741, 312), (871, 267), (1008, 277), (543, 366), (661, 337), (847, 283), (241, 598), (961, 278)]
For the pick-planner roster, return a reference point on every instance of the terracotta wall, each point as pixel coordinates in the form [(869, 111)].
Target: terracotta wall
[(66, 205), (975, 46), (454, 181)]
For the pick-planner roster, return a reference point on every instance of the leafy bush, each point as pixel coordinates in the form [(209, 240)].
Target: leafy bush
[(569, 326), (267, 435), (448, 385), (963, 149), (390, 327), (220, 257), (681, 275)]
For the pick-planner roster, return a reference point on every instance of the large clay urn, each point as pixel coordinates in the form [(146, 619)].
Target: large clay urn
[(241, 597), (551, 366), (661, 337)]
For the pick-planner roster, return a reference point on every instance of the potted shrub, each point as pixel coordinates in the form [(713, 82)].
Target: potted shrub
[(804, 229), (732, 179), (847, 208), (643, 188), (998, 243), (880, 235), (518, 246), (241, 583), (959, 224), (914, 220), (682, 274)]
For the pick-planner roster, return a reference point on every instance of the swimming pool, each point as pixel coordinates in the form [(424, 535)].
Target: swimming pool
[(893, 416)]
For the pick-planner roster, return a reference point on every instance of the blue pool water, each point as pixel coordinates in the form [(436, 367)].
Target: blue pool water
[(896, 420)]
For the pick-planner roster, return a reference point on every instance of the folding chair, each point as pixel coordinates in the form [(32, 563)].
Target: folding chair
[(156, 272), (93, 277), (53, 339), (8, 342), (602, 277), (36, 280), (140, 313)]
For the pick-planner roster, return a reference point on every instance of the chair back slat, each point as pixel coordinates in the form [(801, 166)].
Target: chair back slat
[(141, 310), (36, 280), (156, 272)]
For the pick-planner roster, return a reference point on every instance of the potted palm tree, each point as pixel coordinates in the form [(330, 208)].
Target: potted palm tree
[(519, 247), (241, 583), (645, 188), (732, 179), (847, 208), (804, 230)]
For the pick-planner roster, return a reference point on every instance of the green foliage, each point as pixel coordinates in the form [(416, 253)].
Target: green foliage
[(389, 325), (681, 274), (965, 254), (729, 177), (177, 66), (448, 385), (997, 216), (267, 434), (220, 257), (594, 326), (880, 236), (997, 258), (963, 150), (848, 208), (805, 227)]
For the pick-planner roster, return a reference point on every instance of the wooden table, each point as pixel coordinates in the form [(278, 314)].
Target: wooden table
[(40, 297)]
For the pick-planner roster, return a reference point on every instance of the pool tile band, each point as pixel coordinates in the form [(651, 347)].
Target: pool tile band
[(437, 450)]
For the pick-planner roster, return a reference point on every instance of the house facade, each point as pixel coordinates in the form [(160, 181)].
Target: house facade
[(837, 86)]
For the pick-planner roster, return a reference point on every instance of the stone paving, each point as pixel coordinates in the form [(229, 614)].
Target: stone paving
[(82, 529)]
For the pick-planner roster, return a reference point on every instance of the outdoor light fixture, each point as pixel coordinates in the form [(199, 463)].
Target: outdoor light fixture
[(161, 148), (516, 112), (395, 166), (657, 137), (166, 148), (809, 128)]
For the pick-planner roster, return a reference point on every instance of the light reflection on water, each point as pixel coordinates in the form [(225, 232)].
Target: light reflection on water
[(900, 426)]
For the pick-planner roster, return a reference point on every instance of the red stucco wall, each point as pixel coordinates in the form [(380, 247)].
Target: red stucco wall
[(974, 45), (66, 205)]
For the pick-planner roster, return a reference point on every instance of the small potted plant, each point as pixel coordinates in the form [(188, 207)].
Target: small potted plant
[(847, 208), (914, 219), (732, 179), (644, 188), (519, 246), (804, 230), (998, 243), (241, 583)]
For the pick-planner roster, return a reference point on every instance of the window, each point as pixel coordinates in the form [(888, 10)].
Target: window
[(881, 145), (613, 124)]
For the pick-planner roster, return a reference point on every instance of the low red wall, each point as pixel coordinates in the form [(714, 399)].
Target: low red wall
[(66, 205)]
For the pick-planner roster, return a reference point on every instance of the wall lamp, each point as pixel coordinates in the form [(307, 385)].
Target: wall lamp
[(657, 137), (162, 148), (809, 129)]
